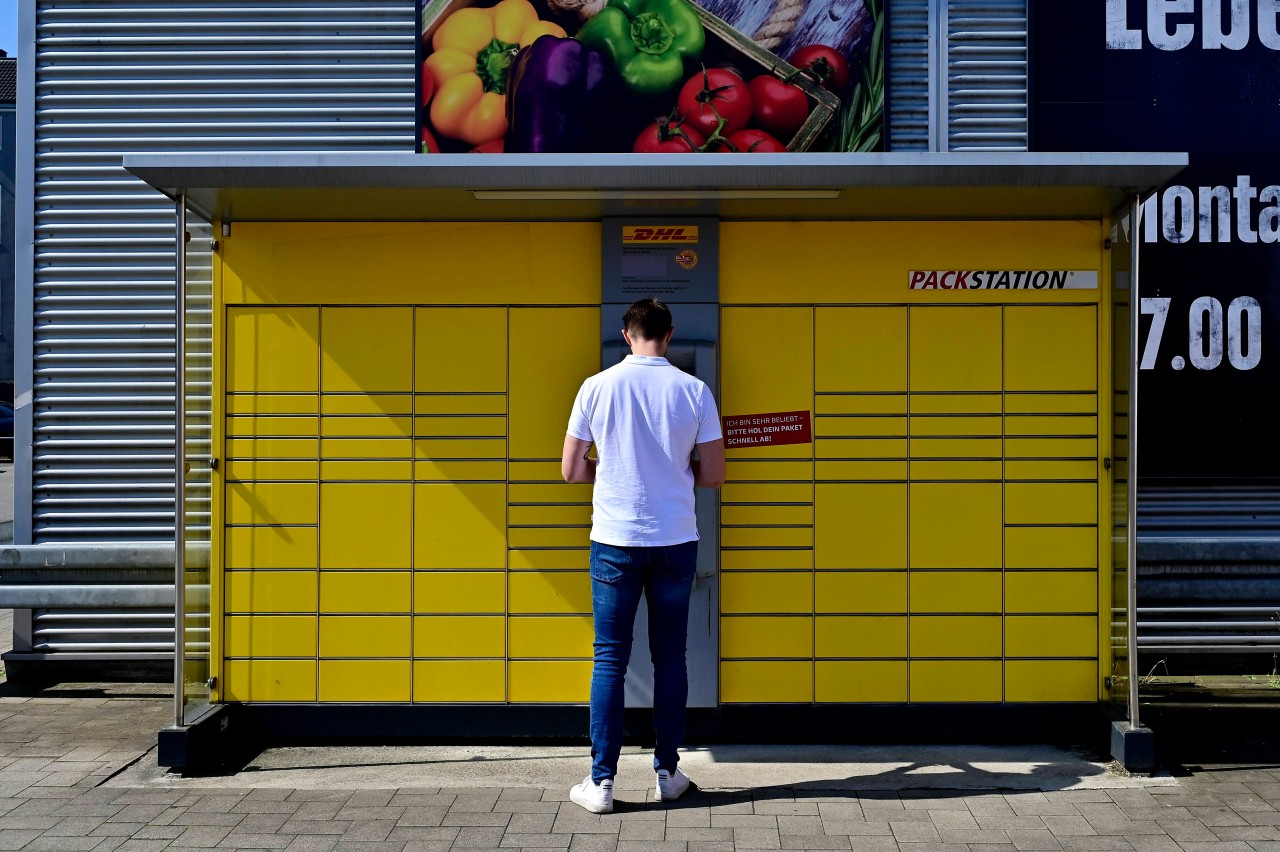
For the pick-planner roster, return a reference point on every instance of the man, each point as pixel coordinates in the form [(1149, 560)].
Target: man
[(645, 418)]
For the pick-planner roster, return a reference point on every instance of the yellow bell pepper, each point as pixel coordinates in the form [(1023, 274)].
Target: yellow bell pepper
[(472, 50)]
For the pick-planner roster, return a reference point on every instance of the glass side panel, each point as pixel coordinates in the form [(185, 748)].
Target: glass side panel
[(1121, 359), (196, 452)]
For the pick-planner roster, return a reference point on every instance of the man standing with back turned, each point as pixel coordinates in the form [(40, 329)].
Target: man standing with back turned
[(645, 418)]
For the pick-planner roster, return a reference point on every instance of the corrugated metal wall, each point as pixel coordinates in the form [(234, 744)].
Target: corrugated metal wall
[(986, 107), (117, 76), (958, 75), (149, 75), (910, 69)]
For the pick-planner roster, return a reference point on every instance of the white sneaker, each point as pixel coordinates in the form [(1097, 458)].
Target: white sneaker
[(671, 785), (597, 798)]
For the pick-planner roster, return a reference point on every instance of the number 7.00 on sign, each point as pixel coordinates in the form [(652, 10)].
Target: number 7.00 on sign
[(1213, 333)]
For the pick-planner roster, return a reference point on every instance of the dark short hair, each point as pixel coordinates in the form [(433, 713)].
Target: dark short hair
[(648, 319)]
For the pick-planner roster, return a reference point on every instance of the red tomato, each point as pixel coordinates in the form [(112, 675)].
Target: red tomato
[(714, 94), (756, 142), (429, 144), (428, 85), (824, 64), (668, 137), (777, 107), (493, 146)]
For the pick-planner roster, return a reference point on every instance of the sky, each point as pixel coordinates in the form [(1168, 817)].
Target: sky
[(9, 26)]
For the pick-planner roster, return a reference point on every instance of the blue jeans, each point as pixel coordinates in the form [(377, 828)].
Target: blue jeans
[(619, 575)]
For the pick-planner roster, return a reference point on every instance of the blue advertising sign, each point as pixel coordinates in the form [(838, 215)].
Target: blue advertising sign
[(1201, 76)]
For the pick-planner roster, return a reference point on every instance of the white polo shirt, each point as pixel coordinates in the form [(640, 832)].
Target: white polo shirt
[(644, 416)]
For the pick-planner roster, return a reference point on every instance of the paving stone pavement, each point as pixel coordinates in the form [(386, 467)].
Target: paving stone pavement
[(61, 747)]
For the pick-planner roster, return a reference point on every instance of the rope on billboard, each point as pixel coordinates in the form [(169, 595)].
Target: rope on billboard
[(584, 9), (781, 21)]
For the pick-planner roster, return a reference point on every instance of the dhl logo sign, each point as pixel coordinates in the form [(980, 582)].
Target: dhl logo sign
[(632, 234)]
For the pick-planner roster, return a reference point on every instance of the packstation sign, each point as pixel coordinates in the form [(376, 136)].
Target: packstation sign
[(1002, 279)]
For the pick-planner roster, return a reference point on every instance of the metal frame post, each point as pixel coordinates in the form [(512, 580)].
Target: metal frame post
[(179, 463), (938, 90), (1135, 312)]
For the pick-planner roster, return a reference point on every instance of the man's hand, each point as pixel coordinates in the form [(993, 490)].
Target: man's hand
[(575, 466), (708, 467)]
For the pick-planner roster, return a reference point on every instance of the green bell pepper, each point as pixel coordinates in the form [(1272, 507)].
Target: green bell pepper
[(650, 41)]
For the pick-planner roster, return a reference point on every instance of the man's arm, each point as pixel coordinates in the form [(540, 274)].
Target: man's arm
[(575, 466), (708, 467)]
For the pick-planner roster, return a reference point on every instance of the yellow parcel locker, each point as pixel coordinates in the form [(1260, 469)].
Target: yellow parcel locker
[(365, 681), (367, 350), (459, 681), (271, 503), (1051, 347), (756, 378), (365, 525), (955, 349), (271, 547), (766, 681), (860, 681), (460, 525), (549, 592), (861, 636), (552, 351), (362, 636), (270, 591), (444, 636), (549, 681), (860, 349), (766, 636), (550, 636), (956, 525), (897, 558), (270, 680), (442, 333), (860, 525), (861, 591), (273, 349)]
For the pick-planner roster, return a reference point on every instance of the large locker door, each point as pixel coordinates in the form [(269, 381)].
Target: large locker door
[(549, 521), (1052, 428), (460, 441), (860, 503), (271, 504), (766, 535), (955, 499)]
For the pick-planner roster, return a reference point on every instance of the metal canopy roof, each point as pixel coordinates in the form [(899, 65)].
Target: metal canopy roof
[(469, 187)]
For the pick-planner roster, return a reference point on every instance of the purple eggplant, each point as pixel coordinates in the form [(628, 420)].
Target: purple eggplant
[(561, 96)]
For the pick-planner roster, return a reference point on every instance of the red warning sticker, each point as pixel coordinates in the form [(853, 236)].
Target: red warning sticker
[(768, 430)]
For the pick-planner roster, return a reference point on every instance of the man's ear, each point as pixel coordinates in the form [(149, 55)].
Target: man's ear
[(670, 333), (627, 337)]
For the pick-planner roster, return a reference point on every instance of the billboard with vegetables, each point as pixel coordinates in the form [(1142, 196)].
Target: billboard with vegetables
[(584, 76)]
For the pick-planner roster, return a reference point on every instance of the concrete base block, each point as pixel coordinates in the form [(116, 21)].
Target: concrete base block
[(207, 742), (1134, 748)]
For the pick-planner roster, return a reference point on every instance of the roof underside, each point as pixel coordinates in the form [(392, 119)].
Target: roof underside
[(550, 187)]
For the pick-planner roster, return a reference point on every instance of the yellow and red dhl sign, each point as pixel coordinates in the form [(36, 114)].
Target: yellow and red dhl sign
[(660, 234)]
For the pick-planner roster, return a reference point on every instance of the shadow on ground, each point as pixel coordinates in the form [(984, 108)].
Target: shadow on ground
[(1198, 722)]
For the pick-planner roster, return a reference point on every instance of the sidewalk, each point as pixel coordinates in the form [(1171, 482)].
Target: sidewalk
[(77, 773)]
